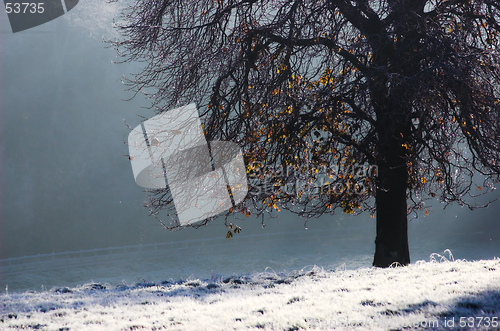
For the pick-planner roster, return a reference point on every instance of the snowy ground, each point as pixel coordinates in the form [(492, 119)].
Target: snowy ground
[(433, 295)]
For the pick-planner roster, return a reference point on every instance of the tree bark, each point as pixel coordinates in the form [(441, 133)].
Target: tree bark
[(391, 243)]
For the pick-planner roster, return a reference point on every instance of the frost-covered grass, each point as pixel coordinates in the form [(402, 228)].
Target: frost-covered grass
[(432, 295)]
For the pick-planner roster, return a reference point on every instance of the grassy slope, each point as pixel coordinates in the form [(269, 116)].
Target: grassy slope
[(424, 295)]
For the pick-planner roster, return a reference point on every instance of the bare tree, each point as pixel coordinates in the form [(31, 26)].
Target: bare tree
[(333, 102)]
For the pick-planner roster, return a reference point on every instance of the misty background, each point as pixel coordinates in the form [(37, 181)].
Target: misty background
[(65, 184)]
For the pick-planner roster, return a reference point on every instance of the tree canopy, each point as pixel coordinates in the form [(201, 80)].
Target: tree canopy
[(334, 103)]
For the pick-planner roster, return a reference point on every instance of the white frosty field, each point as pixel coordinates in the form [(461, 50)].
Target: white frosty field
[(434, 295)]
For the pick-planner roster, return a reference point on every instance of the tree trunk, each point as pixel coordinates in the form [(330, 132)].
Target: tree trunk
[(391, 244), (393, 110)]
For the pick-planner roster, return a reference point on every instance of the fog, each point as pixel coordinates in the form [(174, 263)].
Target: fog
[(66, 184)]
